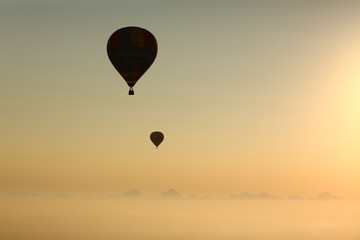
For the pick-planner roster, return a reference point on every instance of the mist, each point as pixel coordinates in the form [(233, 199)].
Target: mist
[(100, 217)]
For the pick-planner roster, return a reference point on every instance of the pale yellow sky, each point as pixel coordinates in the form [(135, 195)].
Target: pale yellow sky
[(252, 96)]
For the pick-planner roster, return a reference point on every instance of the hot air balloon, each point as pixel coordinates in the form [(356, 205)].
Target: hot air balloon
[(157, 138), (132, 50)]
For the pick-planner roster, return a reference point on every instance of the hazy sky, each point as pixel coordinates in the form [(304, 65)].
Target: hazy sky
[(252, 96)]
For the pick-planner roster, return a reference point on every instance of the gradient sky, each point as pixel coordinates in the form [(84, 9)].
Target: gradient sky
[(252, 96)]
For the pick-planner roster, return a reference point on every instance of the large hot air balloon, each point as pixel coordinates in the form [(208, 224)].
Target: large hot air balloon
[(132, 50), (157, 138)]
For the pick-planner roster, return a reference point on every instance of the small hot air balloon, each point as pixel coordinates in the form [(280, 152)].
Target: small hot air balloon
[(132, 50), (157, 138)]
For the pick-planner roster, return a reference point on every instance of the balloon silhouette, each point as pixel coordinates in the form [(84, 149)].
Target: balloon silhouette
[(132, 50), (157, 138)]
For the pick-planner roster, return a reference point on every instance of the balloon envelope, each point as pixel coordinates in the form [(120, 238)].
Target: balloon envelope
[(132, 50), (157, 138)]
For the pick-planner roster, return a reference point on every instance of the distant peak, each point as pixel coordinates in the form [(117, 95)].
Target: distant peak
[(171, 194)]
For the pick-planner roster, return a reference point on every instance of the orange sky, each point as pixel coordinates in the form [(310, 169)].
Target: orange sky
[(251, 97)]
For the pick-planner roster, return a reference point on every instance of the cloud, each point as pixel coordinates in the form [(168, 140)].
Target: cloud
[(171, 194), (261, 196)]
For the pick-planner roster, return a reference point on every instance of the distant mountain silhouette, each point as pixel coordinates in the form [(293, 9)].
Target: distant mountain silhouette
[(327, 196), (248, 196), (295, 197), (130, 194), (194, 196), (171, 194), (65, 195)]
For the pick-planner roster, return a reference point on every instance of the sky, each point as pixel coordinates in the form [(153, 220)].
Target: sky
[(252, 96), (258, 101)]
